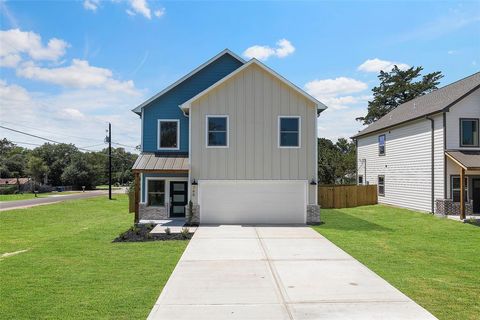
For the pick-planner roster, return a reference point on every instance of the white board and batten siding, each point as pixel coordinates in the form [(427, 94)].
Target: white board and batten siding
[(253, 180), (406, 164), (253, 100)]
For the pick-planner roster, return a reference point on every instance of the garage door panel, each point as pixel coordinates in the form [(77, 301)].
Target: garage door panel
[(252, 201)]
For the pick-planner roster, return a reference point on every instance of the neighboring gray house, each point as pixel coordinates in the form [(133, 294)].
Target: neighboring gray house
[(236, 139), (419, 152)]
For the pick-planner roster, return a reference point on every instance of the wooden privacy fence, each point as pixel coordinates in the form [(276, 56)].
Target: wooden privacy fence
[(346, 196)]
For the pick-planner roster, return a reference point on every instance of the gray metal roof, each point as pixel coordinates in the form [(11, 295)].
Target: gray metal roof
[(150, 162), (469, 160), (431, 103)]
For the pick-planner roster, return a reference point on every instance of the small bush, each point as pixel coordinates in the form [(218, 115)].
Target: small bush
[(168, 231), (185, 232)]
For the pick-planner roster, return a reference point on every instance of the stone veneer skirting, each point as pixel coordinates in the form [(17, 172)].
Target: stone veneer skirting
[(152, 213), (195, 215), (446, 207), (313, 214)]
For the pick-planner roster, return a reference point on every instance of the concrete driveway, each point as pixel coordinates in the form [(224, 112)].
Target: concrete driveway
[(261, 272)]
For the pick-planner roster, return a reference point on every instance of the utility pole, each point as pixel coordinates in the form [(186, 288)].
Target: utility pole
[(109, 161)]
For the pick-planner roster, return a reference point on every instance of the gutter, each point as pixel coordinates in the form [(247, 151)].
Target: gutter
[(432, 122)]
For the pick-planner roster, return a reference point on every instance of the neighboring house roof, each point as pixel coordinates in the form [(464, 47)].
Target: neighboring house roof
[(138, 109), (151, 162), (10, 181), (469, 160), (320, 106), (436, 101)]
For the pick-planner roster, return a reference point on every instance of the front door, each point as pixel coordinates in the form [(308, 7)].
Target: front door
[(476, 195), (178, 198)]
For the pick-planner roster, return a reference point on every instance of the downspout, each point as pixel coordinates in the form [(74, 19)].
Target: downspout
[(432, 122)]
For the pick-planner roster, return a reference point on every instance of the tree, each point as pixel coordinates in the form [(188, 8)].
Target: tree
[(57, 157), (79, 173), (37, 168), (397, 87), (336, 161)]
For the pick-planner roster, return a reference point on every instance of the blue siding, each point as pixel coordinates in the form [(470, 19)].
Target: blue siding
[(148, 175), (166, 106)]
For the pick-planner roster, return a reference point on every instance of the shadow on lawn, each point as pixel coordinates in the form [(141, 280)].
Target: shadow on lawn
[(345, 221)]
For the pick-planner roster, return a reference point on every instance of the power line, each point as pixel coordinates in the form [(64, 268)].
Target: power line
[(124, 145), (28, 143)]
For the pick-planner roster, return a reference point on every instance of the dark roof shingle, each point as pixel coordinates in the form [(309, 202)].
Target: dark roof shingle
[(430, 103)]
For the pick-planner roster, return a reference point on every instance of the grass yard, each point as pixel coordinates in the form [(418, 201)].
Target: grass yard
[(71, 269), (27, 196), (434, 261)]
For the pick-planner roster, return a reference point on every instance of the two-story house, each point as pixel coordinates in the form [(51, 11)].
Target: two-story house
[(424, 152), (235, 138)]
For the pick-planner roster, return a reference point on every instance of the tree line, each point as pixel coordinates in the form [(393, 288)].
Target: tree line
[(64, 164)]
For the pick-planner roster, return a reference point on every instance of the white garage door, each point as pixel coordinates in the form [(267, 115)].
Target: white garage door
[(250, 201)]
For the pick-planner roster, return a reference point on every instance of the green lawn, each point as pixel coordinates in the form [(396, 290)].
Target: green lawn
[(434, 261), (73, 270), (27, 196)]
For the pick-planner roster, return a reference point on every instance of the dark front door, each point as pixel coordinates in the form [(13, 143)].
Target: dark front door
[(178, 198), (476, 195)]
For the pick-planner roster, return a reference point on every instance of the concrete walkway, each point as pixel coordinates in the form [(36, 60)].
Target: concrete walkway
[(237, 272), (20, 204)]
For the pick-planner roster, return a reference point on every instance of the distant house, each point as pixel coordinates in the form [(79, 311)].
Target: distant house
[(424, 152), (14, 181), (235, 138)]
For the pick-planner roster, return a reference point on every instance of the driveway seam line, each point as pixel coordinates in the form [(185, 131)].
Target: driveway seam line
[(274, 275)]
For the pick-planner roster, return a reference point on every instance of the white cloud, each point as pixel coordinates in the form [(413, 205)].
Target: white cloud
[(80, 74), (91, 4), (284, 48), (334, 87), (377, 65), (76, 116), (16, 42), (160, 12), (10, 60), (141, 7)]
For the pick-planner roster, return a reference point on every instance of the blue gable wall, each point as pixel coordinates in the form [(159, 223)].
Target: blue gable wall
[(166, 106)]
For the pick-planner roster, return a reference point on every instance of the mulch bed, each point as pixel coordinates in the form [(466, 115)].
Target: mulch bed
[(141, 233)]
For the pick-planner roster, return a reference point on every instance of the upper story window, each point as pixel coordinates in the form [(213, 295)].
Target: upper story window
[(168, 134), (469, 133), (381, 145), (217, 131), (289, 132), (381, 186)]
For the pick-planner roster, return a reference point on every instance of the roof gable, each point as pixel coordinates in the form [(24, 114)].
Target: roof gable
[(434, 102), (320, 106), (187, 77)]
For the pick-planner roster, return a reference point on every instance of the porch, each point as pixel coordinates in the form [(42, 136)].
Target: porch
[(462, 173), (161, 187)]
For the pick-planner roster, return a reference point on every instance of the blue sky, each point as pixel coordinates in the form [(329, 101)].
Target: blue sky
[(67, 68)]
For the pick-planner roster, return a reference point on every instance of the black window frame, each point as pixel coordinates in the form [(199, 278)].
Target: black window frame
[(360, 179), (384, 145), (382, 194), (460, 127), (298, 132), (208, 131), (159, 134)]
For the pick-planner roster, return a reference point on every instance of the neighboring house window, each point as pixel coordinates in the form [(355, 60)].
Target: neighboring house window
[(381, 185), (289, 132), (217, 131), (168, 134), (156, 193), (469, 133), (360, 179), (381, 145), (455, 183)]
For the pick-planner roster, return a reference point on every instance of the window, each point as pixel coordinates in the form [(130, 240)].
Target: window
[(217, 131), (381, 145), (360, 179), (469, 133), (455, 187), (156, 193), (168, 134), (381, 185), (289, 132)]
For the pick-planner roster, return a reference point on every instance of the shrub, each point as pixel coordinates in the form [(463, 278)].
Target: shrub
[(168, 231), (185, 232)]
